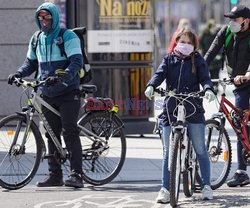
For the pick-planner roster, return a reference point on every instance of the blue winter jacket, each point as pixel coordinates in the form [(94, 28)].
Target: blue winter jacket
[(179, 76), (47, 57)]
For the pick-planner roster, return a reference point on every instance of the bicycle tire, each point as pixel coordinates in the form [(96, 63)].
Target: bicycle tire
[(18, 167), (103, 168), (190, 174), (223, 159), (175, 170)]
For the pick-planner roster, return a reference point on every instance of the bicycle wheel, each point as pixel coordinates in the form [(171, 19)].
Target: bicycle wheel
[(219, 151), (190, 174), (102, 160), (175, 170), (18, 165)]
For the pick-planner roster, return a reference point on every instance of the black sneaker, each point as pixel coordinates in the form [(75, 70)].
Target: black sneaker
[(75, 180), (51, 180), (239, 179)]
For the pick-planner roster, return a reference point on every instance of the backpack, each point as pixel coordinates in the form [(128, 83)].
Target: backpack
[(229, 36), (80, 31)]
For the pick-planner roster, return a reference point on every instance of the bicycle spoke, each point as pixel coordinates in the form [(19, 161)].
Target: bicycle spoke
[(19, 155), (107, 154)]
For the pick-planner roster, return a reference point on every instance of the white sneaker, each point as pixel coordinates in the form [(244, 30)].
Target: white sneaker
[(207, 193), (163, 196)]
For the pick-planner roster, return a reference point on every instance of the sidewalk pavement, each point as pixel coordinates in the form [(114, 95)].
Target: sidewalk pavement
[(143, 160)]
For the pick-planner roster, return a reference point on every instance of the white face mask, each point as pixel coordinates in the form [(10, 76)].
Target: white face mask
[(184, 48), (235, 26)]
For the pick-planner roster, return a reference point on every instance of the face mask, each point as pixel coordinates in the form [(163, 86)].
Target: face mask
[(235, 26), (45, 28), (184, 48)]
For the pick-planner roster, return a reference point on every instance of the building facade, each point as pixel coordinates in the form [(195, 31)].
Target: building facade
[(17, 26)]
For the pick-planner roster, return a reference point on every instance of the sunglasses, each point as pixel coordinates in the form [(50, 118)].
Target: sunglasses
[(47, 17)]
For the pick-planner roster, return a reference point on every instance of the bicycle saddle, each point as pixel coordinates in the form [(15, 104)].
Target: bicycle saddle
[(88, 88)]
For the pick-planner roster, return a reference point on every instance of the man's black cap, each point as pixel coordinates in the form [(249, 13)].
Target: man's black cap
[(238, 11)]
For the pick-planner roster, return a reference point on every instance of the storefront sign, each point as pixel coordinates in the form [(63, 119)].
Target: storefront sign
[(120, 26), (120, 41)]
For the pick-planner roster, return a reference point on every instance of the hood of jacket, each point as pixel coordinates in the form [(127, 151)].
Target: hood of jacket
[(55, 28)]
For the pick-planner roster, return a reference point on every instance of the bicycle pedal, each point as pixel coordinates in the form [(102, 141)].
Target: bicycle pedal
[(197, 188), (47, 156)]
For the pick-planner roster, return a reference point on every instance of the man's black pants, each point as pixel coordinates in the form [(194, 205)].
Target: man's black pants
[(68, 105)]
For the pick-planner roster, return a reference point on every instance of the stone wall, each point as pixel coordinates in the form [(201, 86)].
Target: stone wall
[(16, 28)]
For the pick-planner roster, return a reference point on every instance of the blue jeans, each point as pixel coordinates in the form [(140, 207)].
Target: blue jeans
[(197, 134), (241, 101)]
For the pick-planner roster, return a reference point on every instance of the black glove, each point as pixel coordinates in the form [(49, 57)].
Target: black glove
[(51, 81), (11, 77)]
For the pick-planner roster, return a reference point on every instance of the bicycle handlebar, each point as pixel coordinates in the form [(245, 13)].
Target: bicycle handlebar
[(182, 98), (34, 84), (170, 93), (226, 81)]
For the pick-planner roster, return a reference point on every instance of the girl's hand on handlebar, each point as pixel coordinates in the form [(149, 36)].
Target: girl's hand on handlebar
[(149, 92), (209, 95)]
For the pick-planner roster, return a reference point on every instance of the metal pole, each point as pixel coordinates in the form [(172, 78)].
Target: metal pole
[(167, 23)]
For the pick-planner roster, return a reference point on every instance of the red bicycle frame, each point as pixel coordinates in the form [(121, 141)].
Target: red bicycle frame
[(243, 132)]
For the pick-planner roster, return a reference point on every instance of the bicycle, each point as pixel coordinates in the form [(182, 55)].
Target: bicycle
[(22, 147), (182, 157), (217, 139)]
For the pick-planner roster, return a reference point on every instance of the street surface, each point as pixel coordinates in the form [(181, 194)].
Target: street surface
[(116, 195)]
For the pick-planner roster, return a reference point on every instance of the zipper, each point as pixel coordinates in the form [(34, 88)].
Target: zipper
[(46, 50), (179, 79)]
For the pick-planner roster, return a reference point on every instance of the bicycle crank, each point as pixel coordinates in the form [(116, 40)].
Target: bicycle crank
[(246, 157)]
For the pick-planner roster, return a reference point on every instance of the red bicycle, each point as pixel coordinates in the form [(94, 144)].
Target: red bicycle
[(217, 138)]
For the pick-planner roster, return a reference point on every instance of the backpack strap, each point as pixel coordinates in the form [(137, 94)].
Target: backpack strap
[(34, 46), (35, 39), (60, 42), (229, 36)]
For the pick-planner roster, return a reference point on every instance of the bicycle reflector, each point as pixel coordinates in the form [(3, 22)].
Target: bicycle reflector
[(225, 155), (10, 133), (115, 108)]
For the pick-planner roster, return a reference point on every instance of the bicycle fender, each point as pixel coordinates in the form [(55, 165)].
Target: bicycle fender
[(220, 116), (119, 121)]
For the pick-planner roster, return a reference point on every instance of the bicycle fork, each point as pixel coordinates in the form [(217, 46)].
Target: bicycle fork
[(222, 121), (14, 150)]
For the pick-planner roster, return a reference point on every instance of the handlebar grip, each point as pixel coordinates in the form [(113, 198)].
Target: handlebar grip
[(202, 93), (160, 91)]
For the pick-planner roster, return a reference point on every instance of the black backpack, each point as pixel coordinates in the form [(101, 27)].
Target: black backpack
[(79, 31)]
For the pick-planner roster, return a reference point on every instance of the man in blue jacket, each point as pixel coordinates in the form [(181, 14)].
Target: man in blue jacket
[(64, 96)]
